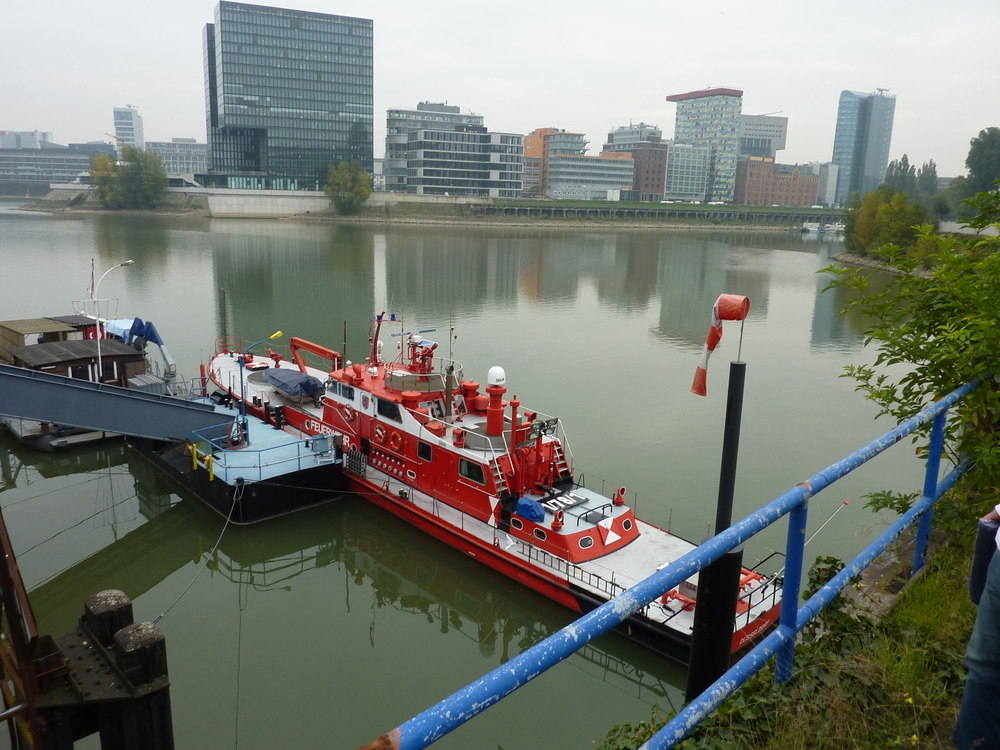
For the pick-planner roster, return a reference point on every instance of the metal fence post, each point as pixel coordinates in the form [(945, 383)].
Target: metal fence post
[(795, 554)]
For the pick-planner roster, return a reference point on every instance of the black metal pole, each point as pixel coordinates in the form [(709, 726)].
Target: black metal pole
[(719, 582)]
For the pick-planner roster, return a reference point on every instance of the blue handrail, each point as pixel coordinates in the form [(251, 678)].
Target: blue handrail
[(452, 712)]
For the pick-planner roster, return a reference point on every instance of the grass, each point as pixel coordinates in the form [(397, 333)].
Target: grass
[(892, 683)]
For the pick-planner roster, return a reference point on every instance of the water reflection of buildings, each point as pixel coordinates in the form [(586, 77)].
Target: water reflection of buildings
[(304, 279), (694, 271), (435, 273)]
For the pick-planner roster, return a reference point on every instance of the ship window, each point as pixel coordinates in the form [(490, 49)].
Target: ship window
[(516, 523), (423, 451), (586, 542), (471, 470), (389, 410), (540, 533), (627, 524), (347, 391)]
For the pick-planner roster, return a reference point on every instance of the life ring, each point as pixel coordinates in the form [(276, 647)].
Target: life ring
[(348, 412), (235, 436), (395, 440), (380, 433)]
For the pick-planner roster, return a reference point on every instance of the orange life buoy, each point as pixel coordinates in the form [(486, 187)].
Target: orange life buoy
[(348, 412), (395, 440), (380, 433)]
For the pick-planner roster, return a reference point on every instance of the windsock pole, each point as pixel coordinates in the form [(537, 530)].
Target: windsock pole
[(719, 582)]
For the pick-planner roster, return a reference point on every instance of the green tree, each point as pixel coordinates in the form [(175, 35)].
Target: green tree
[(883, 217), (983, 160), (348, 187), (927, 182), (901, 175), (137, 180), (103, 181), (940, 328)]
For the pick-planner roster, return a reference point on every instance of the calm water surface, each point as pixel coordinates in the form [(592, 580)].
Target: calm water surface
[(328, 628)]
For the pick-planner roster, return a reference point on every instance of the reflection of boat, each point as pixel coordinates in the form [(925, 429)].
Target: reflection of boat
[(422, 442)]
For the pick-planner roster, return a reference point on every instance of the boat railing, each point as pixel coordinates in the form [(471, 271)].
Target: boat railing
[(217, 449), (432, 724)]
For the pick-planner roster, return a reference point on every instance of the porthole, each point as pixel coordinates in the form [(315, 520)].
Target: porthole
[(586, 542), (627, 524), (540, 534), (516, 523)]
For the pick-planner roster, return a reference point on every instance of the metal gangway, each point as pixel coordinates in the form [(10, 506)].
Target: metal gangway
[(32, 394), (428, 727)]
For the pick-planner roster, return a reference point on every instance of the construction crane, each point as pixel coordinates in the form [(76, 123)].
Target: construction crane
[(121, 142)]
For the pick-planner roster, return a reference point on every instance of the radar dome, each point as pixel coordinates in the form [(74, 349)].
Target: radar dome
[(496, 376)]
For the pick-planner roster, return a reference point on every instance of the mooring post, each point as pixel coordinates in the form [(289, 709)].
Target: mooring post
[(110, 677), (719, 582)]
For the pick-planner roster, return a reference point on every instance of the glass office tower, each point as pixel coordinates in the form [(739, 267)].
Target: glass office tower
[(861, 142), (287, 93)]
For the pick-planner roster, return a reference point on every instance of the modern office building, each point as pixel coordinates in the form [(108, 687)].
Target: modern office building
[(464, 161), (30, 169), (540, 145), (688, 170), (128, 128), (649, 153), (180, 155), (589, 178), (399, 123), (762, 135), (827, 172), (862, 139), (24, 138), (762, 182), (711, 117), (287, 94)]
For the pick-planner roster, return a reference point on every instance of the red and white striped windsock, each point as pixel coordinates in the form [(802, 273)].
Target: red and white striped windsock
[(727, 307)]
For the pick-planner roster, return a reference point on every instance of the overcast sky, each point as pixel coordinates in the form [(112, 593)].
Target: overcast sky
[(584, 66)]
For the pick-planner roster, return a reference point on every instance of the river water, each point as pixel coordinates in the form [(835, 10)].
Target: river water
[(326, 629)]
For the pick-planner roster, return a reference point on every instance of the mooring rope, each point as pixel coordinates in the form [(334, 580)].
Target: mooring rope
[(237, 494)]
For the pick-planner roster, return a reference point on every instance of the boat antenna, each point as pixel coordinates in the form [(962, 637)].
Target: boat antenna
[(739, 348)]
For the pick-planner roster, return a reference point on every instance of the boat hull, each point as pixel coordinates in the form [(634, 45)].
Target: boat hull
[(254, 501)]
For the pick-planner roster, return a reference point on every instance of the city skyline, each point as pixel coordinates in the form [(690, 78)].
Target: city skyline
[(537, 67)]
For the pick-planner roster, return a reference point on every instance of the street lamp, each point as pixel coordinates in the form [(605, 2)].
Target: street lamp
[(244, 437), (93, 296)]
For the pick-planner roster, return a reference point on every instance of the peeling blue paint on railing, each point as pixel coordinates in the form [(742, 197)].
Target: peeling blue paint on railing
[(437, 721)]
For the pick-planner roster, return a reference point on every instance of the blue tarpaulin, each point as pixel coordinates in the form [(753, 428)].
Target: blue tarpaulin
[(530, 509), (293, 382)]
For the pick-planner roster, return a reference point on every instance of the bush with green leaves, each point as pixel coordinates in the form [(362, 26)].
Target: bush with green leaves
[(137, 180), (936, 326)]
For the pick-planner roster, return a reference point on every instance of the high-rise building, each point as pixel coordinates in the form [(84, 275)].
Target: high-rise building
[(427, 116), (711, 117), (861, 142), (287, 94), (762, 135), (539, 146), (128, 128)]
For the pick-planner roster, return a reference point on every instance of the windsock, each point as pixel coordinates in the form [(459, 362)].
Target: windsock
[(727, 307)]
